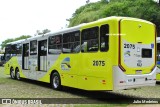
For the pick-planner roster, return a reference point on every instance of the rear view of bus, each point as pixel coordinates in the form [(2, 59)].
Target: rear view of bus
[(136, 53)]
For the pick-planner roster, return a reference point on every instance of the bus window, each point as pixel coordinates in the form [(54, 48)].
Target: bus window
[(104, 38), (90, 40), (19, 48), (8, 49), (55, 44), (71, 42), (33, 47), (26, 49), (13, 49), (43, 48)]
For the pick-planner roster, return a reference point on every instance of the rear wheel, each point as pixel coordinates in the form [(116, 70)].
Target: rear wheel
[(12, 73), (56, 81), (17, 74)]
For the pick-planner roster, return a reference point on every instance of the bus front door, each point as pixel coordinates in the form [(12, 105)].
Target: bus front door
[(42, 58)]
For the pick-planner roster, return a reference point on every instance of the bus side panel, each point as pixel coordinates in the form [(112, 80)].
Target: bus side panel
[(96, 67), (13, 62), (7, 68), (68, 68)]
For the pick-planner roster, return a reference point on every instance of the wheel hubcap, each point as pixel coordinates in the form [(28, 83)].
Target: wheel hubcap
[(55, 82), (18, 76), (12, 73)]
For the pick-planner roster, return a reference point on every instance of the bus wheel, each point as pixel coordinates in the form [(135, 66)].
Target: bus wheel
[(56, 81), (17, 74), (12, 73)]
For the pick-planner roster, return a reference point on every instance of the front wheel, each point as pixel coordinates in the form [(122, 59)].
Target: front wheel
[(56, 81)]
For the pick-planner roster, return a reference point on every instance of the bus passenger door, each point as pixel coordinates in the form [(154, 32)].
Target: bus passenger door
[(42, 58), (33, 60), (25, 57)]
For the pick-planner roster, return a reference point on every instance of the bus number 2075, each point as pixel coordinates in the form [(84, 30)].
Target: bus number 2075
[(98, 63)]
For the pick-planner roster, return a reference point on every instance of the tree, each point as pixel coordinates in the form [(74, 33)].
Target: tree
[(38, 32), (11, 40), (87, 1), (143, 9), (45, 31)]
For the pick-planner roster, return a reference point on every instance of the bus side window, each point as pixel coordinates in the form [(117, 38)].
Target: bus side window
[(43, 48), (55, 44), (71, 42), (90, 40), (19, 48), (104, 37), (26, 49), (33, 47), (14, 49)]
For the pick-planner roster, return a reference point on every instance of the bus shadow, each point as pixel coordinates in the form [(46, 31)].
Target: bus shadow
[(157, 82), (101, 96), (95, 97)]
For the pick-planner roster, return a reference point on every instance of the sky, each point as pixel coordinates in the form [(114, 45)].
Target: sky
[(25, 17)]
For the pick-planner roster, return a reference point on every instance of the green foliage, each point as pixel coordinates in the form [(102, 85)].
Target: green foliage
[(11, 40), (144, 9), (43, 31)]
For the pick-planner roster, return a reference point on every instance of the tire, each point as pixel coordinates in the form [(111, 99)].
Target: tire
[(12, 75), (17, 76), (56, 81)]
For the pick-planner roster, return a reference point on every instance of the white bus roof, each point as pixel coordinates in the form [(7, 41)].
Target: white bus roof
[(61, 31), (66, 30), (16, 42)]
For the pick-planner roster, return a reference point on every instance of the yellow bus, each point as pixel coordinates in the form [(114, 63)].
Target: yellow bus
[(108, 54)]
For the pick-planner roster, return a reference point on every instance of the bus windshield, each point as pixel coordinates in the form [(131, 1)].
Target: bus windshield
[(12, 50)]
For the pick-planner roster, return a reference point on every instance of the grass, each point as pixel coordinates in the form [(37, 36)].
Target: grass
[(10, 88)]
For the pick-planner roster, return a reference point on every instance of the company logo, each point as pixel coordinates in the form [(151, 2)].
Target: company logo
[(127, 54), (65, 65), (6, 101)]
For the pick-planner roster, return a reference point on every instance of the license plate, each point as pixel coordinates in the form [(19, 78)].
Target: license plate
[(138, 71), (140, 80)]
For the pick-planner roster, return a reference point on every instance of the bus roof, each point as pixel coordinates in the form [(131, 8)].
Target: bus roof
[(16, 42), (66, 30)]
